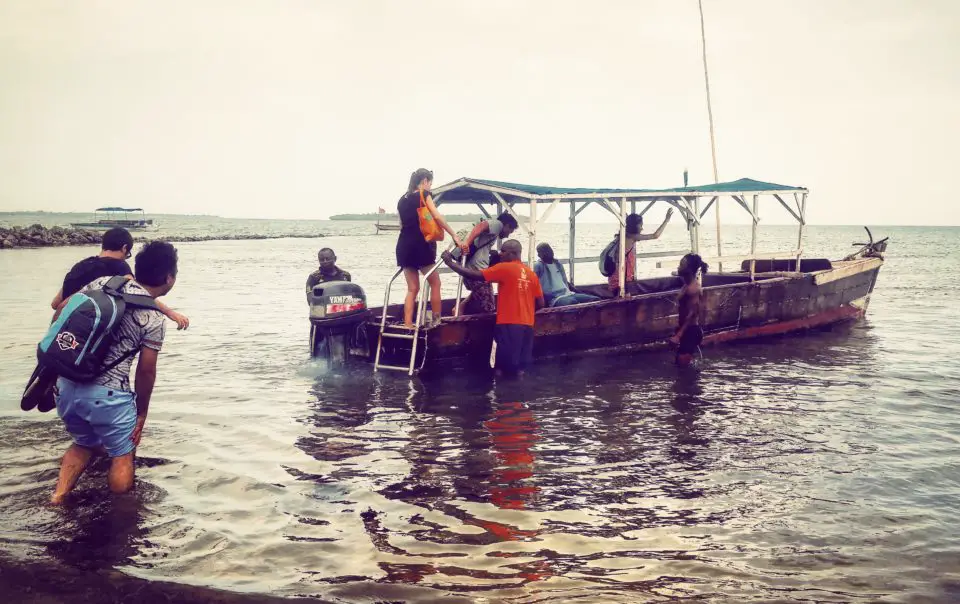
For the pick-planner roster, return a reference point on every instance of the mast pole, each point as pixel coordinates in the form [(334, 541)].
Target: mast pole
[(713, 138)]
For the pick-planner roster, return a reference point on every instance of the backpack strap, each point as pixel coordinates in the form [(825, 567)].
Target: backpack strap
[(115, 286), (122, 358), (490, 241)]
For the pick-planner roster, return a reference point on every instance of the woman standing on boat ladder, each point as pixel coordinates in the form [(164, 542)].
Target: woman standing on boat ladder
[(415, 254)]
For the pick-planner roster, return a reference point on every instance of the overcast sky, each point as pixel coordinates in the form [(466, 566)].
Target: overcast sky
[(305, 108)]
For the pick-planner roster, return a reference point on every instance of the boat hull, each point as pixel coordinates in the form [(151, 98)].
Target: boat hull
[(106, 226), (734, 309)]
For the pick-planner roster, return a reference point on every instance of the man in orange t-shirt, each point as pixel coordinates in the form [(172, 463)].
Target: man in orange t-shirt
[(519, 297)]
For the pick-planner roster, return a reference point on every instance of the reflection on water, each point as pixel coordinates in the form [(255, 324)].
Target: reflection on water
[(815, 468), (649, 479)]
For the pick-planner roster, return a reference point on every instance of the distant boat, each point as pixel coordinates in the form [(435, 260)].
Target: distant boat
[(133, 219), (386, 226)]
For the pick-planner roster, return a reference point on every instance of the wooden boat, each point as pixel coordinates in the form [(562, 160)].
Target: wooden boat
[(766, 293), (112, 217), (386, 226)]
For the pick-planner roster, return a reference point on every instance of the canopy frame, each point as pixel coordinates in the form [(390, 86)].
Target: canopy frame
[(686, 200)]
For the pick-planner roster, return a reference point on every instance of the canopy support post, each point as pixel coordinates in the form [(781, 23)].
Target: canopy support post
[(719, 239), (692, 225), (496, 244), (572, 252), (621, 265), (550, 209), (753, 239), (502, 206), (532, 227), (605, 203), (712, 201), (803, 222), (742, 200), (695, 228), (787, 207), (483, 210)]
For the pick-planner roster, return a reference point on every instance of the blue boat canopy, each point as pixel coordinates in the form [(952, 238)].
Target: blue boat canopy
[(471, 190), (116, 209)]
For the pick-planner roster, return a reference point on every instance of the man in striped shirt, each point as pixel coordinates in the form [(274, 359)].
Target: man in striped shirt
[(106, 413)]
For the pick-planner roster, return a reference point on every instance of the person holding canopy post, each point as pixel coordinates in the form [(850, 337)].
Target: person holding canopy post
[(610, 257), (415, 253)]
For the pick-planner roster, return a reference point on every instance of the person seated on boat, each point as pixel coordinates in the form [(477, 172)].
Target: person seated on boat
[(557, 290), (610, 257), (328, 271), (478, 245), (115, 249), (689, 334), (416, 255), (520, 297)]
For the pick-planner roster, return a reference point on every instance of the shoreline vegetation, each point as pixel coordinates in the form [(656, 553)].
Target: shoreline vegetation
[(37, 236), (393, 217)]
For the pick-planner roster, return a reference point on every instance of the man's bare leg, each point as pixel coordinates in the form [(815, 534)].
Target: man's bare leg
[(121, 473), (74, 461)]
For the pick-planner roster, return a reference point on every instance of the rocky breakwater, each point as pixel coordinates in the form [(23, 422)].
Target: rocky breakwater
[(242, 237), (41, 236)]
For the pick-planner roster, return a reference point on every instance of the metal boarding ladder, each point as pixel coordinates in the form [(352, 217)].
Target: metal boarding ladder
[(418, 319)]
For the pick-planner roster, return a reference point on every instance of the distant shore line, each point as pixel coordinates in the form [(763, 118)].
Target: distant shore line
[(37, 236)]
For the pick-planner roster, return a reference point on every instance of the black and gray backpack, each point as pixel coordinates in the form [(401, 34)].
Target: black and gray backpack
[(77, 342)]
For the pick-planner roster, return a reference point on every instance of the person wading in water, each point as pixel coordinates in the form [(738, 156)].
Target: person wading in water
[(689, 334), (520, 297)]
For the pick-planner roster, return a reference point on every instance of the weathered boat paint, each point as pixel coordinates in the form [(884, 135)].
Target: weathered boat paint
[(735, 309)]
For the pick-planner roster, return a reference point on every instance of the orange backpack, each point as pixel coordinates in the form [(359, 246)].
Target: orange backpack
[(428, 226)]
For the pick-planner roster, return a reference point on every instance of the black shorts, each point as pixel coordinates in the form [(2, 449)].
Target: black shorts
[(690, 341), (514, 347), (413, 251)]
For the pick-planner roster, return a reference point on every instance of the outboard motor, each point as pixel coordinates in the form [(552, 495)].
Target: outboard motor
[(337, 308)]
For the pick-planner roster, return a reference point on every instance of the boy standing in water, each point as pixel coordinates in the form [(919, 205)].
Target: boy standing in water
[(520, 296), (689, 335), (107, 412)]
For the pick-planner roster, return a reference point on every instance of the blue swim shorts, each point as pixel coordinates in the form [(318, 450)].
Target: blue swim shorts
[(96, 415)]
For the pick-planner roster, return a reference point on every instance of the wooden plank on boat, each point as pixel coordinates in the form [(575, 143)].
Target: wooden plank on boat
[(846, 270)]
